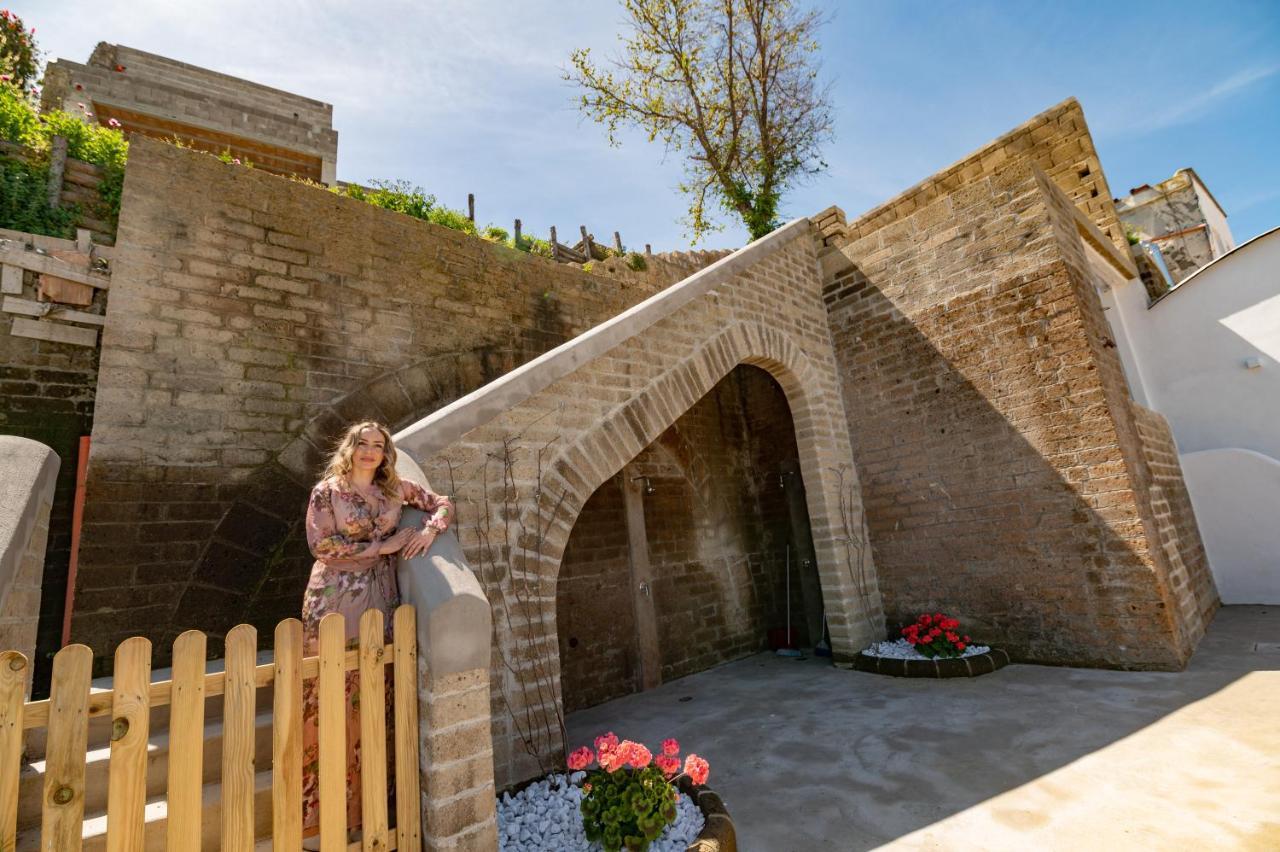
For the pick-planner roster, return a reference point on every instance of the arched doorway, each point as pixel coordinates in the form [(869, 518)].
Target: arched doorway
[(680, 560)]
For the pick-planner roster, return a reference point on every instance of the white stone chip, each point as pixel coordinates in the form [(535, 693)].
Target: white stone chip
[(545, 817), (901, 649)]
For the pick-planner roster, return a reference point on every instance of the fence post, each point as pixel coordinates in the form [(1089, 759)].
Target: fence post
[(517, 233), (617, 241), (57, 166), (555, 251), (471, 206), (586, 242)]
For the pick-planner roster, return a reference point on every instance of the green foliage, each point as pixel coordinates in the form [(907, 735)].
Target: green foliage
[(627, 808), (227, 157), (92, 143), (588, 266), (495, 234), (19, 56), (403, 197), (532, 245), (636, 261), (731, 85), (24, 202)]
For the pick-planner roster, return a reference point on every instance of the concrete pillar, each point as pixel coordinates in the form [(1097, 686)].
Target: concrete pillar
[(28, 473), (455, 739)]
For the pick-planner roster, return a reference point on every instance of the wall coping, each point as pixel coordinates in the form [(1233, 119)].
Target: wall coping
[(28, 472), (442, 427)]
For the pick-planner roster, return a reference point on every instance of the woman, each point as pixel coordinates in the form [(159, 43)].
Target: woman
[(351, 529)]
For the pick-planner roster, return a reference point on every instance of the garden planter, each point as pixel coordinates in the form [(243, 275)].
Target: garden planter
[(978, 664), (717, 834)]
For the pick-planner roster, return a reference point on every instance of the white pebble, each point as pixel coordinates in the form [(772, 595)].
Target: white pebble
[(901, 649)]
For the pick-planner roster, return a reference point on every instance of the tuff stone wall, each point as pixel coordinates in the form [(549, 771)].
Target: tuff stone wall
[(717, 526), (1003, 477), (250, 319)]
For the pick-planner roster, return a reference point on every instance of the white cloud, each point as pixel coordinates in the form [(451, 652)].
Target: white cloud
[(1183, 110)]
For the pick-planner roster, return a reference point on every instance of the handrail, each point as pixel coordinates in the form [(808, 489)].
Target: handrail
[(446, 425)]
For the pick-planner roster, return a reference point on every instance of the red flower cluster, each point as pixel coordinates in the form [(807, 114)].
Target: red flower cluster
[(934, 635), (614, 755)]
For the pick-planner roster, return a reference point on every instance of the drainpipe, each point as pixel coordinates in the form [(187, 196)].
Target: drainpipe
[(77, 517)]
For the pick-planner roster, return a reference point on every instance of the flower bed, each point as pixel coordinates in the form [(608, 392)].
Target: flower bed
[(931, 647), (633, 800)]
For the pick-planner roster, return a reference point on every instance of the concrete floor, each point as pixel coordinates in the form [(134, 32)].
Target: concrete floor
[(809, 757)]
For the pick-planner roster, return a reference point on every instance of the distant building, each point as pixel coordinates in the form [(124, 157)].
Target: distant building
[(1182, 218), (274, 130)]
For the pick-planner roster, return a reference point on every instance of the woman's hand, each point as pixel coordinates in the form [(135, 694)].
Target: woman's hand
[(419, 542), (397, 541)]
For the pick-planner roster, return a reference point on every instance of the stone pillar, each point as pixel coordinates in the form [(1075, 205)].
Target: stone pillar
[(455, 740), (28, 472)]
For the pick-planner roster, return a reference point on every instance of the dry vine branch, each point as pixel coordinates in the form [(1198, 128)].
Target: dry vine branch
[(855, 542)]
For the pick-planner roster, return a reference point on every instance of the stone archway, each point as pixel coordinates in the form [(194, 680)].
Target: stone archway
[(601, 448), (702, 518)]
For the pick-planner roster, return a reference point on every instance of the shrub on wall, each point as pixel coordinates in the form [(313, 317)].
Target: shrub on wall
[(24, 204), (106, 147)]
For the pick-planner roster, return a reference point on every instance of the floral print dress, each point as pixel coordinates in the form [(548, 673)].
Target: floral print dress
[(344, 526)]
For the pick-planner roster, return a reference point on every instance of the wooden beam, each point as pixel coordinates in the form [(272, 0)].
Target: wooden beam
[(36, 713), (11, 280), (37, 262), (54, 332), (51, 310)]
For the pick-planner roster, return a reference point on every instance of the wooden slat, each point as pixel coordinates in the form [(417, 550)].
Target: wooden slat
[(238, 740), (373, 732), (36, 714), (60, 824), (131, 718), (333, 735), (36, 262), (53, 332), (30, 308), (11, 280), (286, 734), (13, 685), (186, 738), (404, 641)]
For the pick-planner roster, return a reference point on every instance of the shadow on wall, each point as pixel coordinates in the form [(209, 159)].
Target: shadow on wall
[(1011, 505), (256, 564)]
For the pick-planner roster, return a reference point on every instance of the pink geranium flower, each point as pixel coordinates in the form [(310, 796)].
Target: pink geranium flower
[(670, 747), (697, 769), (581, 759), (669, 765), (635, 754)]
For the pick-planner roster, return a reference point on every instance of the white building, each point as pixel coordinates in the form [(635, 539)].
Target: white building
[(1206, 355)]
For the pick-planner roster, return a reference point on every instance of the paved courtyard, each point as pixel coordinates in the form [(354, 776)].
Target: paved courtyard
[(809, 757)]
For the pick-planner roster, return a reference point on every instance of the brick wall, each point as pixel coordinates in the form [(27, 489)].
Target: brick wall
[(1001, 471), (251, 318), (717, 525), (47, 394)]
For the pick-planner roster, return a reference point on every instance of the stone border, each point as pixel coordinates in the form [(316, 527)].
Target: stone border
[(978, 664), (718, 834)]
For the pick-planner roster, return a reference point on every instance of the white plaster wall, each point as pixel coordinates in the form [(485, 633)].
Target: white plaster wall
[(1235, 494), (1185, 357)]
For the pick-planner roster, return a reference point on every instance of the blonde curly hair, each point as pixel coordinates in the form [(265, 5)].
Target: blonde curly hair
[(340, 463)]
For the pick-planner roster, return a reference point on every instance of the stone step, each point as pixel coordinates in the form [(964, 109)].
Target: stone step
[(97, 768), (95, 825)]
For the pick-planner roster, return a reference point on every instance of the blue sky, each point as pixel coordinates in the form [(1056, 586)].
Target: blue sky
[(465, 96)]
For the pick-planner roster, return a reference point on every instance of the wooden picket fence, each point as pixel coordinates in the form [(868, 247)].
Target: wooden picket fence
[(67, 711)]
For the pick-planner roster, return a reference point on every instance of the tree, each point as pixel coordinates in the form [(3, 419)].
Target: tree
[(19, 57), (732, 84)]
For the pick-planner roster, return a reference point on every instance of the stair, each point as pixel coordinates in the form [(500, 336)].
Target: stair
[(97, 768)]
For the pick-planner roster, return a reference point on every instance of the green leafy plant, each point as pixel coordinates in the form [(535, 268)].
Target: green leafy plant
[(495, 234), (636, 262), (631, 797), (24, 204), (532, 245), (93, 143)]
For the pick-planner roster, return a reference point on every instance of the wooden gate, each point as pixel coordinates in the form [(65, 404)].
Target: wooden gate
[(67, 711)]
